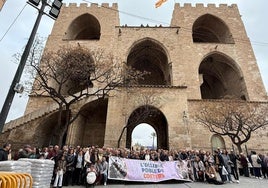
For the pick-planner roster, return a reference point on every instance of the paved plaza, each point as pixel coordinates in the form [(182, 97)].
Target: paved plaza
[(244, 183)]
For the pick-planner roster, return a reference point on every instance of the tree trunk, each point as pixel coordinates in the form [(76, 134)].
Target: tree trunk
[(238, 145), (120, 137), (64, 128)]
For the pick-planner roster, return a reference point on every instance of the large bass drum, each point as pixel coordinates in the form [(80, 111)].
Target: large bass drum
[(91, 177)]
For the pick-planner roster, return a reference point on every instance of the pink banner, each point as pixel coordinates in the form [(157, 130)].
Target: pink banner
[(148, 171)]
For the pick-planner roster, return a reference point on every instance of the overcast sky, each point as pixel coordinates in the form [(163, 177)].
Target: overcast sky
[(142, 134), (254, 15)]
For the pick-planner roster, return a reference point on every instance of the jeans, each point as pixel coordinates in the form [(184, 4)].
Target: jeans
[(105, 177), (58, 179)]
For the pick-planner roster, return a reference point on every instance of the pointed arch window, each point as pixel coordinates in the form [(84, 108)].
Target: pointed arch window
[(150, 56), (221, 78), (211, 29), (84, 27)]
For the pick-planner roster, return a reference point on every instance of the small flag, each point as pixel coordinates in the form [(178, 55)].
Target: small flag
[(159, 3)]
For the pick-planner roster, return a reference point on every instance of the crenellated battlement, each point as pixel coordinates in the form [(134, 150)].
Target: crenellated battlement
[(201, 5), (186, 14), (90, 5)]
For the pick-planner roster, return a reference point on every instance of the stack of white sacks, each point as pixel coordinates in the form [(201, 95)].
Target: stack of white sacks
[(41, 170), (16, 166)]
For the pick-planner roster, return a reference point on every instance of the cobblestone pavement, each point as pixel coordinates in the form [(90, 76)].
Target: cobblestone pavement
[(244, 183)]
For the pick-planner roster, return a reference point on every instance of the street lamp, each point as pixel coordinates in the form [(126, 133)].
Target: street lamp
[(153, 134), (55, 8), (56, 5)]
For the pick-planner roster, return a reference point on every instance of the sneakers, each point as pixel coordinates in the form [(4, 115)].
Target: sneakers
[(105, 184)]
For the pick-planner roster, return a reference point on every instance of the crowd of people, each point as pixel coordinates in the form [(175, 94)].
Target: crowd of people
[(72, 164)]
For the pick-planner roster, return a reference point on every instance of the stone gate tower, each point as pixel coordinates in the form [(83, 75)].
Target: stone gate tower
[(203, 56)]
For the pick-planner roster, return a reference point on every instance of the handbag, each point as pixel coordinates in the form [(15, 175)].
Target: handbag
[(224, 171), (231, 163), (259, 160)]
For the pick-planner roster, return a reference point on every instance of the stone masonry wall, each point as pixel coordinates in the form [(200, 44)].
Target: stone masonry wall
[(191, 54)]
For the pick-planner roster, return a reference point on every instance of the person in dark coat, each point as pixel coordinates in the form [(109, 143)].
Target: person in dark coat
[(26, 152), (219, 164), (4, 152), (70, 167), (233, 159), (79, 165), (164, 156), (244, 163)]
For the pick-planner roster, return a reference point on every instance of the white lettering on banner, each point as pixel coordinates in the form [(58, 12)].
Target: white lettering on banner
[(149, 171)]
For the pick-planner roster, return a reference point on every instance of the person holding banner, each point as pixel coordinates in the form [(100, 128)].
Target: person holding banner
[(147, 155)]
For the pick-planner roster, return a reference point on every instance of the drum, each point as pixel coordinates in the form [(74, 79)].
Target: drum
[(91, 177)]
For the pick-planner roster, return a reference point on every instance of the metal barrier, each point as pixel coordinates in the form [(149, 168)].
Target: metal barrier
[(15, 180)]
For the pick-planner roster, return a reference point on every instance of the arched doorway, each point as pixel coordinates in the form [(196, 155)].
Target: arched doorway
[(152, 116), (47, 131), (144, 135), (150, 56), (91, 124), (217, 142), (221, 78)]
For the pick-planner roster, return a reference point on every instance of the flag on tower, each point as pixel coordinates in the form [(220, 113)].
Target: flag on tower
[(159, 3)]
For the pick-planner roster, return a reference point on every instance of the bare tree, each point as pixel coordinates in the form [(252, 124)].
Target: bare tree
[(236, 119), (72, 73)]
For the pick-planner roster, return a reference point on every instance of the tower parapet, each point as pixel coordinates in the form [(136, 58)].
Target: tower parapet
[(201, 5), (91, 5), (185, 15)]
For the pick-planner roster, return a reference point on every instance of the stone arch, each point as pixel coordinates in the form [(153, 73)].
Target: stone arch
[(47, 127), (149, 55), (211, 29), (217, 142), (220, 77), (84, 27), (91, 124), (152, 116)]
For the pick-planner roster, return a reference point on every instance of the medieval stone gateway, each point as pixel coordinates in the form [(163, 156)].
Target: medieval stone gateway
[(204, 56)]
